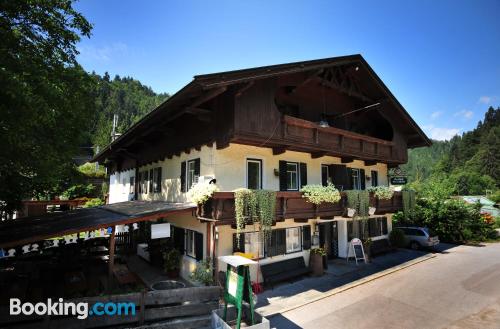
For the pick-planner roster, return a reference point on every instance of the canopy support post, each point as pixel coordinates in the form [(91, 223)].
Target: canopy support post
[(111, 264)]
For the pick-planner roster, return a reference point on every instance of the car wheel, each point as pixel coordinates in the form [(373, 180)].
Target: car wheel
[(414, 245)]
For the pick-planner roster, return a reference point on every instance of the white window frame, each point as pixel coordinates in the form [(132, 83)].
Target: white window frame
[(328, 180), (189, 243), (190, 174), (260, 162), (356, 179), (290, 248), (254, 239), (289, 174)]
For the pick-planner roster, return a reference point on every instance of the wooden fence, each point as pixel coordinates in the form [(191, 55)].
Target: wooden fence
[(176, 308)]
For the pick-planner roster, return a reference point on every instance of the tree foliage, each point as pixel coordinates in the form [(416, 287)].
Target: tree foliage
[(127, 98), (46, 96), (465, 165)]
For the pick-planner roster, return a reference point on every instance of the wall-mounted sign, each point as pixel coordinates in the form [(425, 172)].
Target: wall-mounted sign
[(399, 180), (159, 231)]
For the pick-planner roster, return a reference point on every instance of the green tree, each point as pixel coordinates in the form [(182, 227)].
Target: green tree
[(46, 101)]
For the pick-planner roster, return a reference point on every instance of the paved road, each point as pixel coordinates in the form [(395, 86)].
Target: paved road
[(460, 288)]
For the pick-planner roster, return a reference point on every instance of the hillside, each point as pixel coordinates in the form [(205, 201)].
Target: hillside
[(467, 164), (128, 98)]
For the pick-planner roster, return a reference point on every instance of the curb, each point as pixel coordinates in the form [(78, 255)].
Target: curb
[(354, 284)]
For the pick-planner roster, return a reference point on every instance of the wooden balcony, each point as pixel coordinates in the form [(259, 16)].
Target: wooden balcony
[(291, 205)]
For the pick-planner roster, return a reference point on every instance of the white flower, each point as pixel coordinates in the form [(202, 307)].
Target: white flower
[(201, 192), (382, 192), (318, 193)]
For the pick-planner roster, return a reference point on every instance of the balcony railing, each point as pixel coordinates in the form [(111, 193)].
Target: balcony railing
[(292, 205)]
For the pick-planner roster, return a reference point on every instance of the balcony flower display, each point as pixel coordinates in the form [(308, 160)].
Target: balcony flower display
[(201, 192), (382, 192), (318, 194)]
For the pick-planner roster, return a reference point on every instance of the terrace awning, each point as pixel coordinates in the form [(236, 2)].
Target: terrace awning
[(36, 228)]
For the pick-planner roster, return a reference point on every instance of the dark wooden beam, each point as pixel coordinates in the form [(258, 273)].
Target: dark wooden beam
[(207, 96), (279, 150), (370, 162), (308, 79), (244, 88), (346, 159), (197, 110), (316, 155)]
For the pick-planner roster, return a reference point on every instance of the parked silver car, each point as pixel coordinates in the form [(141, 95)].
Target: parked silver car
[(420, 237)]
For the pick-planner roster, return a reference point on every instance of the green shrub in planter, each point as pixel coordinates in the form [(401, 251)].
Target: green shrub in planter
[(397, 238)]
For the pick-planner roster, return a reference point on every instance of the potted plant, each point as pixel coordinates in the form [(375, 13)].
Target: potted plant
[(203, 272), (316, 261), (172, 263)]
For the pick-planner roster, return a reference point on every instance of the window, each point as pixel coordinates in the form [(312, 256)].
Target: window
[(254, 244), (325, 175), (293, 242), (292, 173), (374, 178), (254, 174), (156, 179), (190, 248), (132, 185), (356, 179), (191, 175)]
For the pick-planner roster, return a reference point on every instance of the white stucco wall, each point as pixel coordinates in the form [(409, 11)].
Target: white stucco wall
[(228, 166), (118, 191)]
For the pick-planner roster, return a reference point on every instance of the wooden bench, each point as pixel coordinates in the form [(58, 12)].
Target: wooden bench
[(380, 247), (283, 270)]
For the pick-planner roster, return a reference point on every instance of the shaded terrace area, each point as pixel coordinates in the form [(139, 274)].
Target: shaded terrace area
[(82, 252)]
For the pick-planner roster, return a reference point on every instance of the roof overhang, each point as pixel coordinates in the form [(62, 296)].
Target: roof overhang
[(37, 228)]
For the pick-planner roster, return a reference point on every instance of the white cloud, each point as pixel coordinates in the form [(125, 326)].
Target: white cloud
[(435, 115), (102, 54), (440, 134), (484, 99), (465, 114)]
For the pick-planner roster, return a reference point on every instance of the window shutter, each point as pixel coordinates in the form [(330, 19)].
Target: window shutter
[(198, 246), (139, 180), (349, 181), (363, 177), (241, 247), (271, 244), (374, 178), (384, 225), (283, 176), (303, 174), (306, 237), (281, 241), (339, 177), (158, 181), (183, 176), (151, 178), (179, 239), (197, 167)]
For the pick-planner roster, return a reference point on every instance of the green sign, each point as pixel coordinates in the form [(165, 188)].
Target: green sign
[(399, 180), (238, 286)]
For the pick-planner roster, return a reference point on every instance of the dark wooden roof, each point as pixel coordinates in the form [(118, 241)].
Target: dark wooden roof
[(202, 85), (32, 229)]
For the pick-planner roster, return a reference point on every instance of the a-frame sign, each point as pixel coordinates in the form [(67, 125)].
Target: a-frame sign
[(238, 286)]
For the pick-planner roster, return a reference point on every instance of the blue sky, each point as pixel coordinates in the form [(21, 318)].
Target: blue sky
[(441, 59)]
